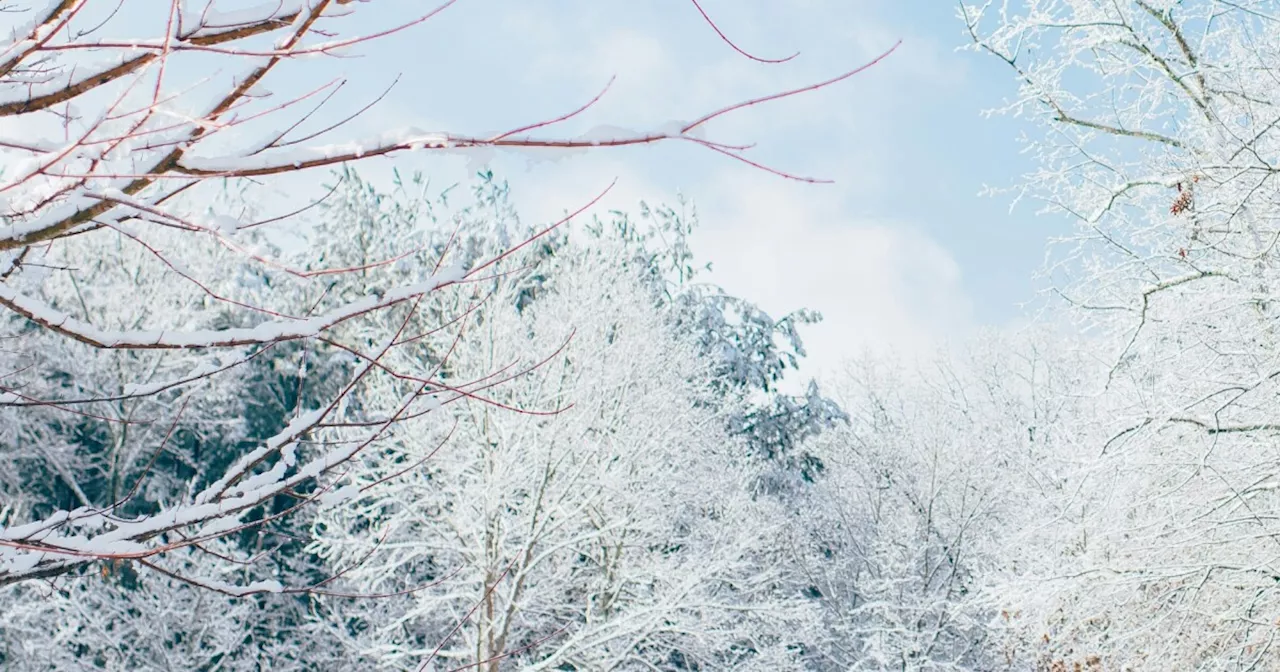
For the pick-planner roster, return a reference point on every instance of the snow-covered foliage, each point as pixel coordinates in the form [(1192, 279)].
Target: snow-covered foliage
[(123, 618), (551, 531), (749, 350), (926, 493), (420, 433), (141, 308), (525, 498), (1158, 136)]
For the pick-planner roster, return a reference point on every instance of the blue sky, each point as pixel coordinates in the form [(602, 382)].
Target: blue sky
[(899, 254)]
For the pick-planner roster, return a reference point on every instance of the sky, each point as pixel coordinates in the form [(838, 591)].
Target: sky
[(900, 254)]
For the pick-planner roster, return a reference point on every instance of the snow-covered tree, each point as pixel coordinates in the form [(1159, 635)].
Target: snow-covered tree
[(908, 540), (607, 525), (124, 618), (609, 275), (750, 350), (1158, 136)]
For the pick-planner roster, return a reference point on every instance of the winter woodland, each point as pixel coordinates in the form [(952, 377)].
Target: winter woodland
[(399, 427)]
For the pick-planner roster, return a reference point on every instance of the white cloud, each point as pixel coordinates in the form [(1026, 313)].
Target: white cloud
[(881, 286)]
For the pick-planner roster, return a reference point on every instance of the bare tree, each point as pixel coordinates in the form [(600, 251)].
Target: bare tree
[(112, 163), (912, 541)]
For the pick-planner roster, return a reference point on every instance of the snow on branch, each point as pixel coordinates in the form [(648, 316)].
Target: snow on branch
[(266, 332)]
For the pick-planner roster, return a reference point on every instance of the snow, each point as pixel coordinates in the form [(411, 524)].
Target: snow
[(343, 494), (29, 530), (288, 435), (263, 333), (259, 481), (604, 133), (314, 468), (674, 127), (85, 70), (224, 224), (20, 562), (69, 207), (210, 19), (25, 35), (218, 526), (301, 18), (201, 370), (246, 160), (334, 10), (331, 48), (27, 167), (258, 90), (268, 586), (104, 545)]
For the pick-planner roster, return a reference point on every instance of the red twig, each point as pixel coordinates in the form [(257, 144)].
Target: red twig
[(735, 47)]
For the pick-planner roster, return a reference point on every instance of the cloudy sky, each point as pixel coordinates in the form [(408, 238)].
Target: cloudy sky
[(900, 253)]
